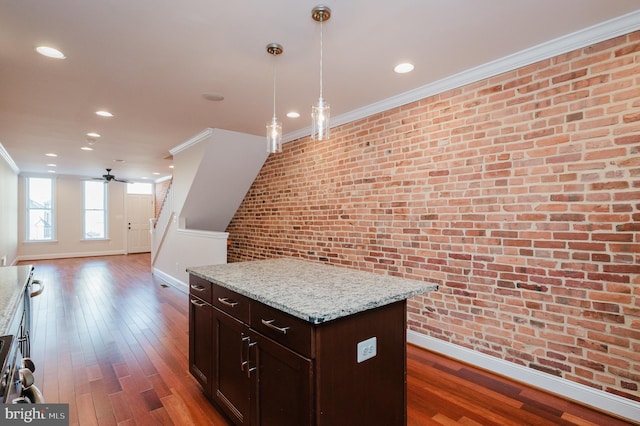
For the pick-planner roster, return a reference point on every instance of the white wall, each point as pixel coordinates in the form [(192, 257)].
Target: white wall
[(8, 208), (212, 174), (183, 248), (69, 223)]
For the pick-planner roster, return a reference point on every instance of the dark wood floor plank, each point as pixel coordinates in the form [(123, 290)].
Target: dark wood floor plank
[(112, 341)]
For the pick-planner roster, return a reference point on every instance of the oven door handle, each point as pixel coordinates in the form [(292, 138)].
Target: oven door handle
[(40, 285)]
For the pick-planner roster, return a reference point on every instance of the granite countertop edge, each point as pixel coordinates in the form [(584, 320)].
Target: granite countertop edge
[(311, 315), (13, 280)]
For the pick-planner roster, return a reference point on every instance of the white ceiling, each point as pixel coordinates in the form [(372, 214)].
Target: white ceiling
[(150, 61)]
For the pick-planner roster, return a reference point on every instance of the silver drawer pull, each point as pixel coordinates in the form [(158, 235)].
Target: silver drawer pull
[(198, 287), (40, 285), (226, 301), (269, 323), (196, 303)]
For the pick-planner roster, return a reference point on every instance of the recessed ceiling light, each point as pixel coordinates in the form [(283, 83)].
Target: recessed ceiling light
[(293, 114), (156, 173), (103, 113), (51, 154), (51, 165), (403, 68), (86, 148), (171, 166), (50, 52), (118, 161), (93, 135), (51, 171)]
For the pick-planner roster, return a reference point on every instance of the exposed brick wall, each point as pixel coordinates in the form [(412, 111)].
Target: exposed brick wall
[(519, 195)]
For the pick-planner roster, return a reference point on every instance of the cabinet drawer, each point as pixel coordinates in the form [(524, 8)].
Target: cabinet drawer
[(200, 288), (286, 329), (231, 302)]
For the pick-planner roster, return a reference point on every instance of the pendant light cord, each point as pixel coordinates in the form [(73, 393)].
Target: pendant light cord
[(274, 87), (321, 58)]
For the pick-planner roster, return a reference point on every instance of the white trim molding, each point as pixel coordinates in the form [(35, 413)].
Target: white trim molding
[(183, 287), (603, 31), (68, 255), (4, 154), (204, 234), (600, 400), (194, 140)]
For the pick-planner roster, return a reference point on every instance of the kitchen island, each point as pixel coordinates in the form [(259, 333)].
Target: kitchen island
[(292, 342)]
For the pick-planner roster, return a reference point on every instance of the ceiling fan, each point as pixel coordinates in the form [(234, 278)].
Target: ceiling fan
[(109, 177)]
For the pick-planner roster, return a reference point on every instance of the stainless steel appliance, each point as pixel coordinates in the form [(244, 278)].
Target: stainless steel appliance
[(15, 350)]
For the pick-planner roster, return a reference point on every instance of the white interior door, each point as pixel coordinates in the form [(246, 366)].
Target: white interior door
[(139, 210)]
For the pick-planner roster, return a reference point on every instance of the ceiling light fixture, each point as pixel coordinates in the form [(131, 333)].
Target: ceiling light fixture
[(403, 68), (93, 135), (86, 148), (274, 127), (51, 154), (50, 52), (293, 114), (103, 113), (320, 112)]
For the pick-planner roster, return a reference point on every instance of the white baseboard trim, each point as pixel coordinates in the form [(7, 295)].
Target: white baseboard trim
[(163, 276), (68, 255), (600, 400)]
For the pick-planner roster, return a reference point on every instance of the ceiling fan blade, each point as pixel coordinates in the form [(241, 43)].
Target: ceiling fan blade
[(109, 177)]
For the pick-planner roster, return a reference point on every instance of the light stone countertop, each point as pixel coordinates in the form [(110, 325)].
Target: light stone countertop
[(13, 280), (311, 291)]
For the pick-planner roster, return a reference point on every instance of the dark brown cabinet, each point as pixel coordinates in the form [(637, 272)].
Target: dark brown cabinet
[(282, 387), (263, 366), (200, 331), (231, 385), (255, 380)]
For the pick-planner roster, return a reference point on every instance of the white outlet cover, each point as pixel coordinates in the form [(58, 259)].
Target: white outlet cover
[(367, 349)]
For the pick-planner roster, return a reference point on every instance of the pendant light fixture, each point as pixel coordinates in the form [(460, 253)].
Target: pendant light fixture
[(320, 112), (274, 127)]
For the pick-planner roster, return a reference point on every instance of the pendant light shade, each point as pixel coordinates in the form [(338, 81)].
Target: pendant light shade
[(274, 127), (274, 136), (320, 112)]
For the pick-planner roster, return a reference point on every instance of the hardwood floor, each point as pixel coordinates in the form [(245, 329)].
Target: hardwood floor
[(111, 340)]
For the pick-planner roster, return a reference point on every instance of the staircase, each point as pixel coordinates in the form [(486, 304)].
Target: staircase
[(212, 173)]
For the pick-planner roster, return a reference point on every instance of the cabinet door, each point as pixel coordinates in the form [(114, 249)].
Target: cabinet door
[(231, 384), (281, 385), (200, 321)]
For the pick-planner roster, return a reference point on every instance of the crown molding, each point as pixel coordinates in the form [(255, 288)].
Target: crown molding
[(4, 154), (600, 32), (192, 141)]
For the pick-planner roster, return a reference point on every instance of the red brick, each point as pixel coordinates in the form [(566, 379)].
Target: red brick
[(518, 194)]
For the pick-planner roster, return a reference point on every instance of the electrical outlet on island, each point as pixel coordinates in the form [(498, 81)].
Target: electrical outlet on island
[(367, 349)]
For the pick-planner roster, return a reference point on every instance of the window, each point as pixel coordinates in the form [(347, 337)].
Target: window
[(140, 188), (95, 201), (39, 209)]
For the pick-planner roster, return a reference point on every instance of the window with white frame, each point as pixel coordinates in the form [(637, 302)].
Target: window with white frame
[(95, 210), (142, 188), (40, 225)]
